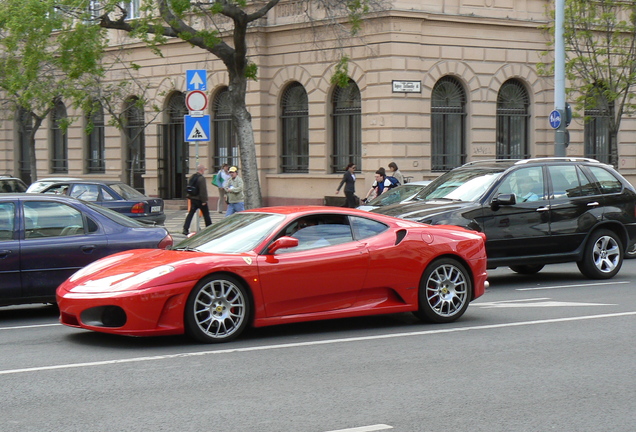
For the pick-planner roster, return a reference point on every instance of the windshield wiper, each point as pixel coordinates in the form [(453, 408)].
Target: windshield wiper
[(187, 249)]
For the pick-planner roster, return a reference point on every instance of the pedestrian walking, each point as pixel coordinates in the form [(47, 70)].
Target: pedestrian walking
[(197, 194), (349, 182), (235, 195), (221, 178)]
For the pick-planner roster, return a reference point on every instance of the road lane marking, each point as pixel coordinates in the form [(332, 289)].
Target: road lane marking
[(528, 303), (572, 286), (312, 343), (29, 326), (371, 428)]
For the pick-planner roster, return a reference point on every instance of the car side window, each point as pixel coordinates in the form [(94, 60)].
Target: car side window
[(525, 183), (86, 192), (568, 181), (365, 228), (51, 219), (318, 231), (7, 221), (606, 180), (107, 196)]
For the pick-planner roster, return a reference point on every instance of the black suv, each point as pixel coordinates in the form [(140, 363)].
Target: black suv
[(535, 212)]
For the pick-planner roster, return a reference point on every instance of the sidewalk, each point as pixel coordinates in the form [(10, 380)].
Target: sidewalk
[(176, 218)]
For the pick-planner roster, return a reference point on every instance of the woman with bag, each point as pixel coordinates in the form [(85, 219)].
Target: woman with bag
[(219, 181)]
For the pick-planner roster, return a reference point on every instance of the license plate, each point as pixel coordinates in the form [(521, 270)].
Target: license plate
[(155, 209)]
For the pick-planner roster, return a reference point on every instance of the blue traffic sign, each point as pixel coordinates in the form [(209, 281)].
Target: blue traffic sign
[(196, 79), (555, 119), (196, 128)]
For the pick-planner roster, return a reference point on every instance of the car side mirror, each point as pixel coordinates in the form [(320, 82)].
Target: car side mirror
[(503, 200), (282, 243)]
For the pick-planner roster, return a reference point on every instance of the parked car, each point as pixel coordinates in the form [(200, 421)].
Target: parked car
[(280, 265), (396, 195), (10, 184), (46, 238), (116, 196), (535, 212), (41, 184)]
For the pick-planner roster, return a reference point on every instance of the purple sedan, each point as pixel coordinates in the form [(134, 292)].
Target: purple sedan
[(46, 238)]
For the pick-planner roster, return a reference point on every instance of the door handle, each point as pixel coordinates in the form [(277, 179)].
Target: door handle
[(592, 204), (88, 248), (542, 209), (4, 253)]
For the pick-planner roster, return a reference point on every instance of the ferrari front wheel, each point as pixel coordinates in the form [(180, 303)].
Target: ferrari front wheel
[(445, 291), (217, 310)]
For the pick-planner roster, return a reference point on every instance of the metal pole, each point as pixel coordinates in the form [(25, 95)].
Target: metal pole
[(559, 77)]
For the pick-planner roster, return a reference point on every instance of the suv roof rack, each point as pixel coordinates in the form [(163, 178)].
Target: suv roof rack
[(490, 161), (556, 159)]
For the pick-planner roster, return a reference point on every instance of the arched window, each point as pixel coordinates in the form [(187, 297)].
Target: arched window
[(59, 148), (347, 127), (597, 129), (136, 143), (96, 141), (512, 121), (448, 113), (225, 143), (295, 120)]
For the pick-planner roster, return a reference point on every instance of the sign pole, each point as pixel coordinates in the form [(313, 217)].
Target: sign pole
[(559, 80)]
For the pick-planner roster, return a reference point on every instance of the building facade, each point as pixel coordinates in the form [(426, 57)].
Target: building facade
[(433, 84)]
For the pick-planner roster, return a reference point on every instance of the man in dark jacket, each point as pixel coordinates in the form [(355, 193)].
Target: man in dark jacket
[(198, 200)]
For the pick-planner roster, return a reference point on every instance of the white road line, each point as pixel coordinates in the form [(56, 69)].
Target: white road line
[(29, 326), (313, 343), (572, 286), (371, 428)]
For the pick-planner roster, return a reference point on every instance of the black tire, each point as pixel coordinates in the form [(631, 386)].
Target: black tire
[(218, 309), (445, 291), (603, 255), (527, 269), (630, 252)]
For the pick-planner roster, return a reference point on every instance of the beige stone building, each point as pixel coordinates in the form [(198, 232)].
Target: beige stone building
[(435, 83)]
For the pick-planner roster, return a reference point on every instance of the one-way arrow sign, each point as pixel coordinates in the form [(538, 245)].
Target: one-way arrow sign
[(196, 79)]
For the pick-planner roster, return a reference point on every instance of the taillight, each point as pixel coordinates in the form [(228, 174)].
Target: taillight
[(138, 208), (166, 242)]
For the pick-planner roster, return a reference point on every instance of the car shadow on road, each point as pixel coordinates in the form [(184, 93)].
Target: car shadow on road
[(29, 311)]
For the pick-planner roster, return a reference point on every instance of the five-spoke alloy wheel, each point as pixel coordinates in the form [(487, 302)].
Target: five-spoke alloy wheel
[(603, 256), (218, 309), (445, 291)]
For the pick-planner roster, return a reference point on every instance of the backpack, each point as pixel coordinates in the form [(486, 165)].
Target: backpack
[(192, 189), (394, 182)]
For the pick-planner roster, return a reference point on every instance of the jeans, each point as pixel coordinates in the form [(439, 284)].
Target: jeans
[(234, 208)]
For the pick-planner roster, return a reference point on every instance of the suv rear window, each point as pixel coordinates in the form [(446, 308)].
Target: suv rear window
[(606, 180)]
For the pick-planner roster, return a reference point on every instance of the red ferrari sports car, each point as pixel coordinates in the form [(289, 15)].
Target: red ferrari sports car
[(280, 265)]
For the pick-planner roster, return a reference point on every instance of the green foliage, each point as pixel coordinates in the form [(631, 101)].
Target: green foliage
[(341, 74)]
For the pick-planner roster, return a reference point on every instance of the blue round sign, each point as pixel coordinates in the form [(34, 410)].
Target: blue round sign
[(555, 119)]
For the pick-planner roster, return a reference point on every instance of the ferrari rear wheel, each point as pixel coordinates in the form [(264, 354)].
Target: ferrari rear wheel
[(445, 291), (218, 309)]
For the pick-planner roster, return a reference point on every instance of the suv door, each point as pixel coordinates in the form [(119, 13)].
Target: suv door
[(576, 206), (520, 229)]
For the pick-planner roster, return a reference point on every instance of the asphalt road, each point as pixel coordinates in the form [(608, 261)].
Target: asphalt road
[(551, 352)]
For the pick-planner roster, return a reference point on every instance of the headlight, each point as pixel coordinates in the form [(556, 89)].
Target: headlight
[(122, 282)]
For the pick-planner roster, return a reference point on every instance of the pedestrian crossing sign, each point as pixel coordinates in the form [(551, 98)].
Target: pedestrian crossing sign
[(197, 128)]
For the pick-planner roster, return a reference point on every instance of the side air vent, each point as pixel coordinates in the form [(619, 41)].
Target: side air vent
[(399, 236)]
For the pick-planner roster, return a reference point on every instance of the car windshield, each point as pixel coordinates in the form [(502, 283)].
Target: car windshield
[(460, 185), (396, 195), (239, 233), (117, 217), (127, 192)]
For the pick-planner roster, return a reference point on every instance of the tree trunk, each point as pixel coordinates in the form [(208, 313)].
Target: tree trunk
[(242, 121)]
